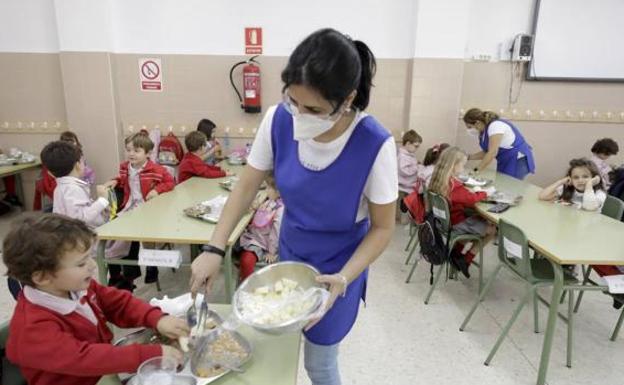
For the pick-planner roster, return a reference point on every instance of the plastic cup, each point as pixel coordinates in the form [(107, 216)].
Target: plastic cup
[(157, 371)]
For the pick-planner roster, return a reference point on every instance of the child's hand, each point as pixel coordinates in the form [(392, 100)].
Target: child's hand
[(229, 173), (565, 181), (110, 184), (101, 191), (172, 353), (151, 195), (595, 180), (270, 258), (172, 327)]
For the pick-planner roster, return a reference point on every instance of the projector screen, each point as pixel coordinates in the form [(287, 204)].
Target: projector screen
[(578, 40)]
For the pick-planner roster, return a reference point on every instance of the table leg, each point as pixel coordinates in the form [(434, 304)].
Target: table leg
[(228, 271), (19, 190), (551, 323), (101, 263)]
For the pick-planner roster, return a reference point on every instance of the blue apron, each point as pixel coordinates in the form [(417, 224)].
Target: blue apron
[(507, 158), (320, 210)]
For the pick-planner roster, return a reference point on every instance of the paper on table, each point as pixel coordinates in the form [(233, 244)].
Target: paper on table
[(615, 283)]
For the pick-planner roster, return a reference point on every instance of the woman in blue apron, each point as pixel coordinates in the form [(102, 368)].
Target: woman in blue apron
[(500, 139), (335, 168)]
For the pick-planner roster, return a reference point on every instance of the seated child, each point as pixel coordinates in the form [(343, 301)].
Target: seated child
[(602, 150), (214, 153), (140, 179), (581, 187), (192, 163), (445, 182), (72, 194), (261, 238), (88, 175), (58, 333), (407, 167)]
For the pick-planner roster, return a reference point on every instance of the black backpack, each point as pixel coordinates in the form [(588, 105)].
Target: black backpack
[(433, 247)]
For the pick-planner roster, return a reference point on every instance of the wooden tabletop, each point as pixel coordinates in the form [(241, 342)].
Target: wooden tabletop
[(562, 233), (162, 219), (10, 170)]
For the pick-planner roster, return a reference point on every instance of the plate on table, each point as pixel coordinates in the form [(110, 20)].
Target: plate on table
[(505, 197), (472, 181)]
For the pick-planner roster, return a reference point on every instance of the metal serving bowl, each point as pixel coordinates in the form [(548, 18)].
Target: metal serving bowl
[(304, 274)]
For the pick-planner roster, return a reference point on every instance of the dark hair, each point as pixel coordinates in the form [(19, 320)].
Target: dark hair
[(39, 242), (68, 136), (411, 136), (194, 140), (334, 65), (206, 126), (606, 146), (476, 115), (60, 157), (432, 155), (568, 191), (140, 140)]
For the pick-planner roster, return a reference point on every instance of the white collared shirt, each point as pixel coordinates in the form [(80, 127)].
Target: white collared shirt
[(60, 305)]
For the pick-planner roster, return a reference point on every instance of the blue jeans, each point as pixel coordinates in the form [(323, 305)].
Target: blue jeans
[(522, 168), (321, 363)]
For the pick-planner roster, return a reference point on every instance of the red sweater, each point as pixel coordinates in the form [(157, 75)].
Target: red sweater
[(153, 177), (53, 349), (460, 198), (192, 165)]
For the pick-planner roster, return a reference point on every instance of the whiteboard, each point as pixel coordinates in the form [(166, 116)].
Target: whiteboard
[(578, 40)]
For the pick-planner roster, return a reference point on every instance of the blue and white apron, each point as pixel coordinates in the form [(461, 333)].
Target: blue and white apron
[(318, 225), (507, 158)]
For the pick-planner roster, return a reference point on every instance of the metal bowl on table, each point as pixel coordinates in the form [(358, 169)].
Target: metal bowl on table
[(302, 273)]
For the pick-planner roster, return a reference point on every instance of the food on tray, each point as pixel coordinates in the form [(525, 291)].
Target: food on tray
[(276, 304), (225, 349), (198, 210)]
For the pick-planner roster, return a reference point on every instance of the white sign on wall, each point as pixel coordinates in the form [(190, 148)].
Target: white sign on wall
[(150, 74)]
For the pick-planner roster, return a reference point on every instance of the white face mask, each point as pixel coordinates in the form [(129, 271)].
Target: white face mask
[(473, 132), (307, 126)]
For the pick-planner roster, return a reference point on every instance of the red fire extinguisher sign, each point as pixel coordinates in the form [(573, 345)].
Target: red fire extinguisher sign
[(253, 41)]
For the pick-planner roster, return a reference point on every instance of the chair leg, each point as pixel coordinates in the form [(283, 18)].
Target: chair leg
[(586, 273), (481, 267), (482, 294), (535, 310), (563, 295), (158, 286), (411, 253), (618, 326), (409, 276), (412, 235), (508, 326), (570, 328), (435, 282)]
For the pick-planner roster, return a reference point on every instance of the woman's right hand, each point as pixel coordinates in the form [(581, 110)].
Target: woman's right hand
[(173, 353), (204, 270)]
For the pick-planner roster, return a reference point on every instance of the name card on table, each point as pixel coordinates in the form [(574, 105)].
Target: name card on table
[(615, 283), (165, 258)]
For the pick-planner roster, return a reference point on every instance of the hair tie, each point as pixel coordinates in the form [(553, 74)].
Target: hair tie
[(436, 148)]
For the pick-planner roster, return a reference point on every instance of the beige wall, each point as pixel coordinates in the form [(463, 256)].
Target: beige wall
[(98, 96)]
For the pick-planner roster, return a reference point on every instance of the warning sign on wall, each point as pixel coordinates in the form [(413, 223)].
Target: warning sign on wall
[(150, 74), (253, 41)]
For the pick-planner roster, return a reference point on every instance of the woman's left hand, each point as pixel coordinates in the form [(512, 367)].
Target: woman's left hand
[(337, 287)]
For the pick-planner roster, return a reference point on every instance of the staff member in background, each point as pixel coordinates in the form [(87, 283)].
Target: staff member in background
[(500, 139), (335, 168)]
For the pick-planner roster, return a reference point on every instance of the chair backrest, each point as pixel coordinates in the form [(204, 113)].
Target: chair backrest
[(440, 207), (613, 207), (513, 249), (9, 373)]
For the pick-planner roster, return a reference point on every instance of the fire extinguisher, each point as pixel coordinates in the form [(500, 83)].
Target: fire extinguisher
[(250, 100)]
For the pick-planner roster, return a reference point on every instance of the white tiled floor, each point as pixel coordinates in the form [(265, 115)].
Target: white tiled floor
[(400, 341)]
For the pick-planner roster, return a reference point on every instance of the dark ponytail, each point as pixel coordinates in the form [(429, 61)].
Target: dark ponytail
[(334, 65)]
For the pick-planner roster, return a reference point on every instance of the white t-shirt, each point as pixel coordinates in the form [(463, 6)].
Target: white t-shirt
[(577, 198), (382, 184), (498, 127)]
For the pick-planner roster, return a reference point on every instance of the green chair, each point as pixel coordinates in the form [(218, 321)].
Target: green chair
[(514, 255), (440, 207), (613, 208), (10, 374), (413, 234)]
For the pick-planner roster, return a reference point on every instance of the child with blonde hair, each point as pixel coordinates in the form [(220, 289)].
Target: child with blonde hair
[(445, 182)]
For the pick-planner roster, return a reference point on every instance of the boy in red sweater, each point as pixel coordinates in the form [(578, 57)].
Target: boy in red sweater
[(58, 333), (444, 182), (193, 164), (140, 179)]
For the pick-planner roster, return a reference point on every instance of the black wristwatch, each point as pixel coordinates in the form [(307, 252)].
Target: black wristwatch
[(214, 250)]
